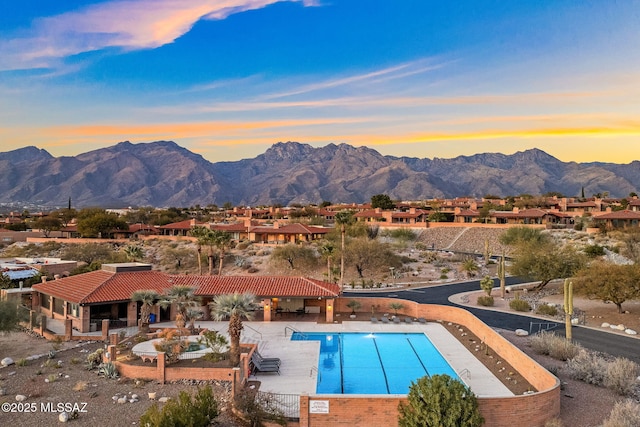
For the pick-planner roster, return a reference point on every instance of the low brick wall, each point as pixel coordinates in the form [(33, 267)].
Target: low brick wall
[(536, 408)]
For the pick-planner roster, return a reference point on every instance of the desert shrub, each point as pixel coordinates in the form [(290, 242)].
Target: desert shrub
[(621, 376), (22, 362), (198, 410), (554, 422), (547, 310), (258, 408), (252, 270), (588, 367), (439, 401), (593, 251), (443, 276), (108, 370), (94, 359), (554, 346), (519, 305), (80, 386), (624, 414), (403, 234), (243, 245), (485, 300)]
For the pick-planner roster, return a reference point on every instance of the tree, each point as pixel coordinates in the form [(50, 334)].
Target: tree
[(6, 282), (546, 262), (236, 307), (439, 401), (94, 222), (609, 282), (395, 306), (382, 201), (294, 255), (147, 297), (520, 234), (201, 235), (9, 317), (327, 249), (89, 252), (343, 218), (365, 254), (182, 297), (222, 241), (354, 305), (47, 224)]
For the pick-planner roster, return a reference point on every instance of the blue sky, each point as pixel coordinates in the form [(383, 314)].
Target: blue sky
[(229, 78)]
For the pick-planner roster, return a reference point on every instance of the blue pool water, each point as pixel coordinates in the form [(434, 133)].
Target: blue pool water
[(381, 363)]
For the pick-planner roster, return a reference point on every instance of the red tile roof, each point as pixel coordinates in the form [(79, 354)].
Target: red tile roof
[(626, 214), (104, 287)]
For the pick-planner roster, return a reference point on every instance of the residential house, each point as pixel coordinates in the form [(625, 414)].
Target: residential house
[(87, 299)]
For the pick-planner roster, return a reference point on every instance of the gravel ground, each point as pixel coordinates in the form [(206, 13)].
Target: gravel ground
[(64, 380)]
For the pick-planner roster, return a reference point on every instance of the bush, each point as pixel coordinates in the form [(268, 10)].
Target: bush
[(519, 305), (587, 367), (547, 310), (195, 411), (439, 401), (485, 300), (554, 422), (621, 376), (624, 414), (554, 346)]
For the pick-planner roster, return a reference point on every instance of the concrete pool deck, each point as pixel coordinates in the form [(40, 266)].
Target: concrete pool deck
[(298, 370)]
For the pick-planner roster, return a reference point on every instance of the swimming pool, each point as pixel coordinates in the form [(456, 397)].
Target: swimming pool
[(381, 363)]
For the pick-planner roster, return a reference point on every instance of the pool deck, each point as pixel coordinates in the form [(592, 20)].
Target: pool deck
[(298, 370)]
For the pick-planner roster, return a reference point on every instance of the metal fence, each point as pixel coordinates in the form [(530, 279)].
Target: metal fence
[(285, 404)]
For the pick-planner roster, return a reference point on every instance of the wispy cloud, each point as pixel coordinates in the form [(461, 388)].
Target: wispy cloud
[(122, 24)]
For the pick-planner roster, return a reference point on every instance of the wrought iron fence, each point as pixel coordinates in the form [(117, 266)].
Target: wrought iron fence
[(286, 404)]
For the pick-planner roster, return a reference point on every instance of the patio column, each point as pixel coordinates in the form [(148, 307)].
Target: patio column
[(329, 304), (267, 309), (132, 313)]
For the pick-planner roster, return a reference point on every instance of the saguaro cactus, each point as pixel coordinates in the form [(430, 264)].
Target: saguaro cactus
[(501, 275), (568, 307), (487, 252)]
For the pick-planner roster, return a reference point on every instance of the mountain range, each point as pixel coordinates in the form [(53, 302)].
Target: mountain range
[(164, 174)]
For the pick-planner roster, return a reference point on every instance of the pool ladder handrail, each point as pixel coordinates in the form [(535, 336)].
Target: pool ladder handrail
[(463, 372), (292, 329), (318, 373), (253, 329)]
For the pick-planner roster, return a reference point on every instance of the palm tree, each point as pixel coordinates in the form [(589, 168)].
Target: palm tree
[(133, 252), (183, 298), (470, 267), (201, 234), (222, 240), (343, 218), (327, 250), (236, 307), (148, 298), (395, 306)]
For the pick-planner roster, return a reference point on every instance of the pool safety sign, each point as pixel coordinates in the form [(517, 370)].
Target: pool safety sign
[(319, 406)]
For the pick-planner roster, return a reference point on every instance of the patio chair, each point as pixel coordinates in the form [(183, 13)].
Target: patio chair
[(267, 360), (259, 366)]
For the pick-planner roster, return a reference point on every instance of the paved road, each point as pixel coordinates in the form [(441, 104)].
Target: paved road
[(614, 344)]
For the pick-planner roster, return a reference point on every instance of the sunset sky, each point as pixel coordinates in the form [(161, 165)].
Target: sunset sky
[(229, 78)]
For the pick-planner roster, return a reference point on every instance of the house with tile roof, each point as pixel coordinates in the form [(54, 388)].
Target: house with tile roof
[(87, 299), (618, 219)]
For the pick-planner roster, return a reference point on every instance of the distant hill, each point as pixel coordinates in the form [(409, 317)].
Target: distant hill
[(164, 174)]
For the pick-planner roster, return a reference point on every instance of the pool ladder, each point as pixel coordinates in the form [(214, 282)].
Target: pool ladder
[(464, 372), (292, 329), (318, 373)]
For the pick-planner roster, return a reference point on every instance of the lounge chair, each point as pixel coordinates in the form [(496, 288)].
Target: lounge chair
[(385, 319), (408, 320), (422, 320), (374, 320), (259, 366), (267, 360), (396, 319)]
